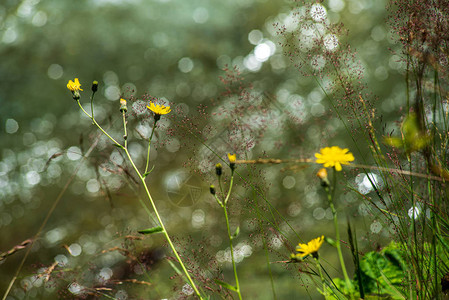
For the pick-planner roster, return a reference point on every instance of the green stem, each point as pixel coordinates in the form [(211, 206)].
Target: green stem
[(92, 104), (330, 196), (318, 265), (164, 231), (220, 185), (149, 146), (142, 179), (98, 125), (230, 188), (237, 285), (218, 201), (125, 136)]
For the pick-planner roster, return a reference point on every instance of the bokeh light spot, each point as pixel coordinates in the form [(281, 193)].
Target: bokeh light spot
[(200, 15), (185, 65), (255, 37), (11, 126), (55, 71)]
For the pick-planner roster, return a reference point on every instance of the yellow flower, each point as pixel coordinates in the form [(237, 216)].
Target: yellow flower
[(74, 86), (159, 109), (232, 158), (311, 248), (322, 174), (334, 157)]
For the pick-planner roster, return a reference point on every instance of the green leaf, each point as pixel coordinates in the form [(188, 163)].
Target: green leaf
[(226, 285), (151, 230), (330, 241), (237, 232), (383, 272), (413, 139), (393, 142), (410, 127)]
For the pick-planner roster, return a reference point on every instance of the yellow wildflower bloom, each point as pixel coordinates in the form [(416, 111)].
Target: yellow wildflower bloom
[(159, 109), (232, 158), (334, 157), (311, 248), (74, 86)]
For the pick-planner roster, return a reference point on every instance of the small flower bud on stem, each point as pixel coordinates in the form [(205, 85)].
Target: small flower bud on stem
[(232, 158), (123, 107), (94, 86), (212, 190), (322, 174), (218, 169)]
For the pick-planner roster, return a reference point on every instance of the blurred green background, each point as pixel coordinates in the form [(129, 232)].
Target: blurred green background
[(175, 50)]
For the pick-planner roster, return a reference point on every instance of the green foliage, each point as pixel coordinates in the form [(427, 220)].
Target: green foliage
[(383, 273), (413, 139), (226, 285), (151, 230), (147, 53), (236, 233)]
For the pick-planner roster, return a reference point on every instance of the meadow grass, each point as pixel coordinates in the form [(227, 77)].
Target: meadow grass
[(405, 172)]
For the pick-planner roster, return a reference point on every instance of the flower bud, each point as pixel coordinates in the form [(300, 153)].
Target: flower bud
[(232, 158), (94, 86), (212, 189), (123, 107), (322, 174), (218, 169)]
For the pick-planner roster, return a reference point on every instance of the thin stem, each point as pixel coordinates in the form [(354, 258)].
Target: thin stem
[(92, 103), (164, 230), (352, 165), (237, 285), (98, 125), (142, 179), (330, 196), (218, 201), (230, 188), (125, 136), (220, 185), (149, 146), (318, 265), (271, 207)]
